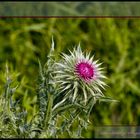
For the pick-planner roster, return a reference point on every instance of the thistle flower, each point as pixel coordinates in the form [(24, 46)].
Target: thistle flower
[(79, 77)]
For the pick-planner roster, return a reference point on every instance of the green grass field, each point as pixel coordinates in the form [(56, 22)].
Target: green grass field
[(115, 42)]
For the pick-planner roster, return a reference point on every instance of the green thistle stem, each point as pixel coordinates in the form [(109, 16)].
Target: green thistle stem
[(49, 110)]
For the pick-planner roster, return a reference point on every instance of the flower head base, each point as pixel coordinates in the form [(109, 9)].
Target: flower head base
[(78, 73)]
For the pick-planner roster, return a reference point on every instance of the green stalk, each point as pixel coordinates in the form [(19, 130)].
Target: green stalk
[(49, 110)]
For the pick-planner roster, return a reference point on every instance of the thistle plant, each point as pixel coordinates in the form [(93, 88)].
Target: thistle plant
[(67, 91), (80, 77), (12, 121)]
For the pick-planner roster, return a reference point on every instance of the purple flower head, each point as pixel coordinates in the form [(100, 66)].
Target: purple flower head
[(78, 72), (85, 70)]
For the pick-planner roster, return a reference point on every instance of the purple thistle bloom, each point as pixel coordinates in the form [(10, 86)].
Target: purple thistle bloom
[(85, 70), (78, 72)]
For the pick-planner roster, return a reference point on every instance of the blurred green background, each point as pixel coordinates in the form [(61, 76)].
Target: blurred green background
[(114, 41)]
